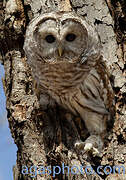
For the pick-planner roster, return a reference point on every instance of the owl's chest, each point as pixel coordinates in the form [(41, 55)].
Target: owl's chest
[(74, 87), (60, 79)]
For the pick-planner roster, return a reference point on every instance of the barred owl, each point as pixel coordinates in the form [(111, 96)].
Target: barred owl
[(64, 53)]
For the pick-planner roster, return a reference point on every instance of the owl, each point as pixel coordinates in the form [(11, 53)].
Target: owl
[(64, 53)]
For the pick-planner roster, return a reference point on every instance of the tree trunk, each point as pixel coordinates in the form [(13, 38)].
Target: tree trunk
[(45, 138)]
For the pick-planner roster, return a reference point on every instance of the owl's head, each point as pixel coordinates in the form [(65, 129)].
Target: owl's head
[(61, 36)]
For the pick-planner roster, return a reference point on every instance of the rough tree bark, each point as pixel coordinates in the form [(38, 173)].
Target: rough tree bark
[(45, 137)]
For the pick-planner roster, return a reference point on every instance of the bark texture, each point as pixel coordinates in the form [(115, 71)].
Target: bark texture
[(46, 137)]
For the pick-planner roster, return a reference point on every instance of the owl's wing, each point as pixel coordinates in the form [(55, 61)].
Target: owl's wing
[(91, 94), (90, 103)]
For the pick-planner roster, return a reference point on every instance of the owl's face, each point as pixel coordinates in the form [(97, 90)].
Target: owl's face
[(60, 39)]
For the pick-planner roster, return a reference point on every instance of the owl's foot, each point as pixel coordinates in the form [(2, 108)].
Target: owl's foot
[(92, 145), (88, 148), (79, 145)]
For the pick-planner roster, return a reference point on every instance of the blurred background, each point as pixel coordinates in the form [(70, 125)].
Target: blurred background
[(7, 147)]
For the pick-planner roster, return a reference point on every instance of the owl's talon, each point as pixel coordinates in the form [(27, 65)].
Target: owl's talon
[(95, 152), (79, 145), (89, 148)]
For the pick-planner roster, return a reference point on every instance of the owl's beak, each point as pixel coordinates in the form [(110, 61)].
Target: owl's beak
[(60, 51)]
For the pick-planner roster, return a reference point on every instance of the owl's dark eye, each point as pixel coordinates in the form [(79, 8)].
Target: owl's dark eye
[(70, 37), (50, 38)]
